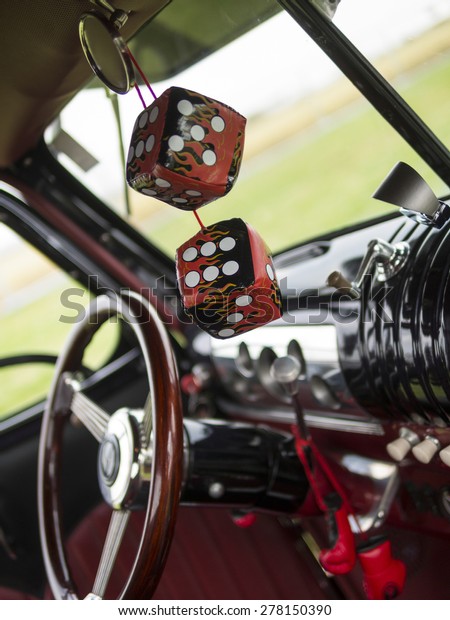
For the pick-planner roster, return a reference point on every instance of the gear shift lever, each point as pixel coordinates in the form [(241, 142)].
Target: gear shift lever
[(340, 557), (286, 371)]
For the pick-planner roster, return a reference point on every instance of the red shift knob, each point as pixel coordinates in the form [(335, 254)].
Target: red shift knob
[(384, 576), (243, 519), (341, 556)]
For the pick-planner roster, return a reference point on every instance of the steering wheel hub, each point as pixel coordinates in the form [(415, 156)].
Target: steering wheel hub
[(108, 459), (120, 458)]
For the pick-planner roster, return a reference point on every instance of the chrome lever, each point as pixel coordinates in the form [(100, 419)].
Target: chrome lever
[(405, 188), (287, 371), (385, 480), (387, 258)]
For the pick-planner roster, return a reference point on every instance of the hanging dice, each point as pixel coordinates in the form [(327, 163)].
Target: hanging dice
[(226, 278), (186, 149)]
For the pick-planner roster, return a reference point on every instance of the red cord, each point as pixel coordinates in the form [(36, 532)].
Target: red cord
[(198, 219), (141, 73), (138, 90)]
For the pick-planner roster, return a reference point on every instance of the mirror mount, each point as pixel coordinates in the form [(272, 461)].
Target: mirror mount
[(117, 17)]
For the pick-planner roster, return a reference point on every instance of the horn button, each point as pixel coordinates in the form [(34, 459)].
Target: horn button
[(109, 458), (124, 463)]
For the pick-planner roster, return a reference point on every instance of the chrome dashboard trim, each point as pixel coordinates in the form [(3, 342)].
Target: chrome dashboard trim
[(344, 425), (313, 419)]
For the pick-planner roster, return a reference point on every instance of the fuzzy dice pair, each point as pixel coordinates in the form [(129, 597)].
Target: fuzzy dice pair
[(186, 150)]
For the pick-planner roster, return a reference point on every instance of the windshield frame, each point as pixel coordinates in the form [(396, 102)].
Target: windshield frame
[(372, 85)]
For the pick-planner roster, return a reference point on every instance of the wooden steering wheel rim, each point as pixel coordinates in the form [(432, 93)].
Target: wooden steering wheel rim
[(167, 459)]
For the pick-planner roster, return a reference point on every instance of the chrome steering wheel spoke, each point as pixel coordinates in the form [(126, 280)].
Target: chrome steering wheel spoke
[(92, 416), (147, 422), (116, 530)]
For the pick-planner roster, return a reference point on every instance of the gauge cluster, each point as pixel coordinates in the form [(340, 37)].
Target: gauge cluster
[(243, 365)]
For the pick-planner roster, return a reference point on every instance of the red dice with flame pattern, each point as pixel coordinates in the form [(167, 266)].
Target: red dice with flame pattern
[(227, 280), (186, 149)]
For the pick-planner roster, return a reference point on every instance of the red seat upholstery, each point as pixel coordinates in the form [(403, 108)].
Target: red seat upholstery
[(210, 558), (6, 594)]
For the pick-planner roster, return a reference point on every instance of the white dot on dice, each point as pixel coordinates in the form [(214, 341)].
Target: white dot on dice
[(226, 333), (218, 124), (154, 114), (192, 279), (185, 107), (230, 267), (210, 273), (139, 148), (227, 244), (162, 183), (176, 143), (270, 272), (143, 120), (244, 300), (197, 133), (208, 248), (150, 143), (190, 254), (209, 157), (235, 318)]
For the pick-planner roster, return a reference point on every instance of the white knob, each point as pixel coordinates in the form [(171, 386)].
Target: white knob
[(445, 455), (398, 448), (426, 449)]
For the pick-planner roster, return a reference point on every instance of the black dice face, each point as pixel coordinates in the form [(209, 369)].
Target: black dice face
[(227, 280), (217, 258)]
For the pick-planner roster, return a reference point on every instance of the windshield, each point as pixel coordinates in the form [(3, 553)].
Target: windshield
[(315, 150)]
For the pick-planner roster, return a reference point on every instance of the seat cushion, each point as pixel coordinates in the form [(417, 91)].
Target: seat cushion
[(210, 558), (7, 594)]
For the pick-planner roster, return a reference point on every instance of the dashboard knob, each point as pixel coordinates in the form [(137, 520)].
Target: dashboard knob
[(387, 258), (426, 449), (445, 455), (286, 371), (336, 280), (400, 447)]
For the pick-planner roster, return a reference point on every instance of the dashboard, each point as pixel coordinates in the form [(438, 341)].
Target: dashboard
[(373, 383)]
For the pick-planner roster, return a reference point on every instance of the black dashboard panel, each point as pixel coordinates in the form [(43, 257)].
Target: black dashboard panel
[(382, 357), (319, 326)]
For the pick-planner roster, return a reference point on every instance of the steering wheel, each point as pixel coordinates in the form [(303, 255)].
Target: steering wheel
[(140, 453)]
